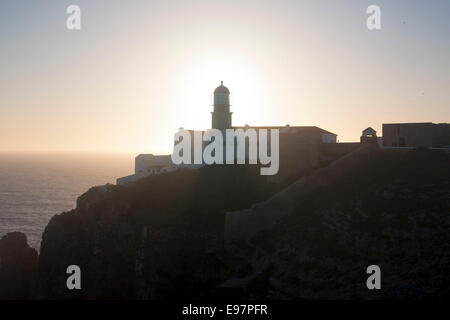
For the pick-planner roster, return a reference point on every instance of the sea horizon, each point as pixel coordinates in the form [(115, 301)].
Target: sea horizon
[(35, 186)]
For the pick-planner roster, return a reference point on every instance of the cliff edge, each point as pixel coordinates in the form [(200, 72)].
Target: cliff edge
[(163, 237)]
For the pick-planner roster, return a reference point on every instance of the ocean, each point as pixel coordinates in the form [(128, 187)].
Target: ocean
[(36, 186)]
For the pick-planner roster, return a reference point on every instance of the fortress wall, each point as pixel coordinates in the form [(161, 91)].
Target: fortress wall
[(441, 135), (296, 158), (407, 134), (332, 151), (243, 224)]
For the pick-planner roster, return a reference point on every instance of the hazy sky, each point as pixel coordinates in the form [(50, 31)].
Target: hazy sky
[(139, 70)]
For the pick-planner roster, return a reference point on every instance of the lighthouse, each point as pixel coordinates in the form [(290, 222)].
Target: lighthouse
[(221, 116)]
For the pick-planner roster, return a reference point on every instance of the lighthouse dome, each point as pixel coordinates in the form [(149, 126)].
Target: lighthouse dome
[(222, 89)]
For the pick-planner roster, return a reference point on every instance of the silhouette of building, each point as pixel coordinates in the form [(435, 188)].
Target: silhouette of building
[(299, 145), (425, 134), (222, 120), (221, 116), (369, 135)]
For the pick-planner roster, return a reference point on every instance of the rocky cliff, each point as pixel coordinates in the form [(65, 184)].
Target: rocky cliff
[(18, 262), (163, 237), (387, 208), (160, 238)]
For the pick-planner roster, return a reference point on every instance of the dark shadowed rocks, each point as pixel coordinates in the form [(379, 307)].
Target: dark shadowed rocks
[(18, 262), (339, 221), (162, 238), (159, 239)]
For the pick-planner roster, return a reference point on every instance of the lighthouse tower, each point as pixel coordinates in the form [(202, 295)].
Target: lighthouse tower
[(221, 117)]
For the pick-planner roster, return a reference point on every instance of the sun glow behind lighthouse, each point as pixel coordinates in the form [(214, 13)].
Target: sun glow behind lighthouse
[(200, 74), (139, 70)]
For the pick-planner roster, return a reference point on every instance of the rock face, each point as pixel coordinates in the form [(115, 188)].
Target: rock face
[(18, 262), (244, 224), (162, 238), (390, 210)]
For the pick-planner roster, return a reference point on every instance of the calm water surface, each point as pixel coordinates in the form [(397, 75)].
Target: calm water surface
[(34, 187)]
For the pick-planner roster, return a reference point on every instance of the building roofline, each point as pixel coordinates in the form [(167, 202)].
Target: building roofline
[(405, 123), (284, 127)]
